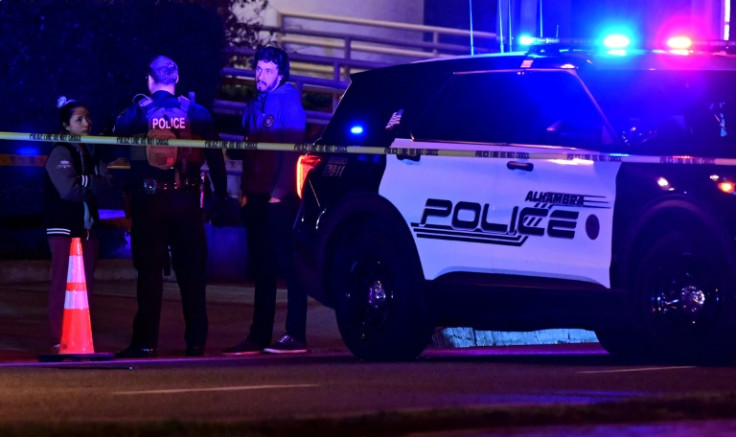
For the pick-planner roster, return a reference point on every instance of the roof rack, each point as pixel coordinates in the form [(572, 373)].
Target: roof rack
[(546, 46)]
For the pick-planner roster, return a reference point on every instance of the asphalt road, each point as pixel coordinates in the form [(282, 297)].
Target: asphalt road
[(494, 388), (24, 332), (573, 389)]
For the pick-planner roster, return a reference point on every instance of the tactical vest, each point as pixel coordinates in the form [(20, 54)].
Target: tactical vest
[(170, 123)]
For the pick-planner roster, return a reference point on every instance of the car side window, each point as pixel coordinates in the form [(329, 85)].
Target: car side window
[(520, 107), (670, 112)]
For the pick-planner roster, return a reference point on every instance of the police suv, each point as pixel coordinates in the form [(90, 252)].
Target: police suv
[(565, 187)]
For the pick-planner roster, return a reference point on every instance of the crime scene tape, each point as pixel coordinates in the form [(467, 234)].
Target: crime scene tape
[(371, 150)]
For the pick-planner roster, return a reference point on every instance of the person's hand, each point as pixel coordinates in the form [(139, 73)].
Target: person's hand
[(243, 200), (274, 200), (220, 210)]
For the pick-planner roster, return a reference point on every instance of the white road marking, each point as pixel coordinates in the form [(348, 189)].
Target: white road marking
[(642, 369), (196, 390)]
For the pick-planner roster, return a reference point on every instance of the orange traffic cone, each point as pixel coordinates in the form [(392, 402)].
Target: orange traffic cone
[(76, 328)]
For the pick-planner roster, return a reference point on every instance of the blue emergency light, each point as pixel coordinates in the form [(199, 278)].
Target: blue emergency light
[(527, 40), (28, 151), (616, 41)]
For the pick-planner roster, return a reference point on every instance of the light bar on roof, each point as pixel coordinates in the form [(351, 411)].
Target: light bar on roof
[(616, 41), (679, 43), (527, 40)]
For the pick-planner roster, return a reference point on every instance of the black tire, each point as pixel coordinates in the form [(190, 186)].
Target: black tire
[(684, 299), (376, 281), (624, 346)]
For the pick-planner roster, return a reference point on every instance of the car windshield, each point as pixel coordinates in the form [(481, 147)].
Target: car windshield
[(665, 112), (530, 107)]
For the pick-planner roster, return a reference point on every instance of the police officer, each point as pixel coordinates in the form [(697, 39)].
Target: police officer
[(164, 187)]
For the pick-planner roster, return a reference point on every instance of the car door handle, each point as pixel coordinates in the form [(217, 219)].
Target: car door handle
[(402, 156), (515, 165)]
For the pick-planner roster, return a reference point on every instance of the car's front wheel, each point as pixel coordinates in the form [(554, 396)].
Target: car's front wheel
[(376, 282), (685, 298)]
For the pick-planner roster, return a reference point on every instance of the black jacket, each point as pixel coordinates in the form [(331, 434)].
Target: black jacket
[(73, 178)]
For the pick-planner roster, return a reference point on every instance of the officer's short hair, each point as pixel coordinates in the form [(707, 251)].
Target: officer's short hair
[(275, 55), (163, 70)]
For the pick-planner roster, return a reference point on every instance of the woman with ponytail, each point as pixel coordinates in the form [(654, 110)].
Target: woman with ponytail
[(74, 179)]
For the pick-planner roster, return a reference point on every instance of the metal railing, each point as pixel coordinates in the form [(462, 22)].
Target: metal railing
[(434, 48), (322, 73)]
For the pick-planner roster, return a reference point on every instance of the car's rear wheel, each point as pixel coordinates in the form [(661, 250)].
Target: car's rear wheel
[(376, 281), (684, 298), (624, 345)]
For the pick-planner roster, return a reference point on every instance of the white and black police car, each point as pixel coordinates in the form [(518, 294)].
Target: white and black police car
[(564, 187)]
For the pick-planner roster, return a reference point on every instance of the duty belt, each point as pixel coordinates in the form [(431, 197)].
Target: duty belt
[(153, 186)]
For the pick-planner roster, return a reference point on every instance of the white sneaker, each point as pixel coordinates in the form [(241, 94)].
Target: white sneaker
[(287, 345)]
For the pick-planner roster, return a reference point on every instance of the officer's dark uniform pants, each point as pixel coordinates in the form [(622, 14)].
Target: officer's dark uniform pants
[(270, 249), (169, 218)]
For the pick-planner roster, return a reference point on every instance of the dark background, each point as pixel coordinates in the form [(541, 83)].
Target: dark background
[(97, 52)]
